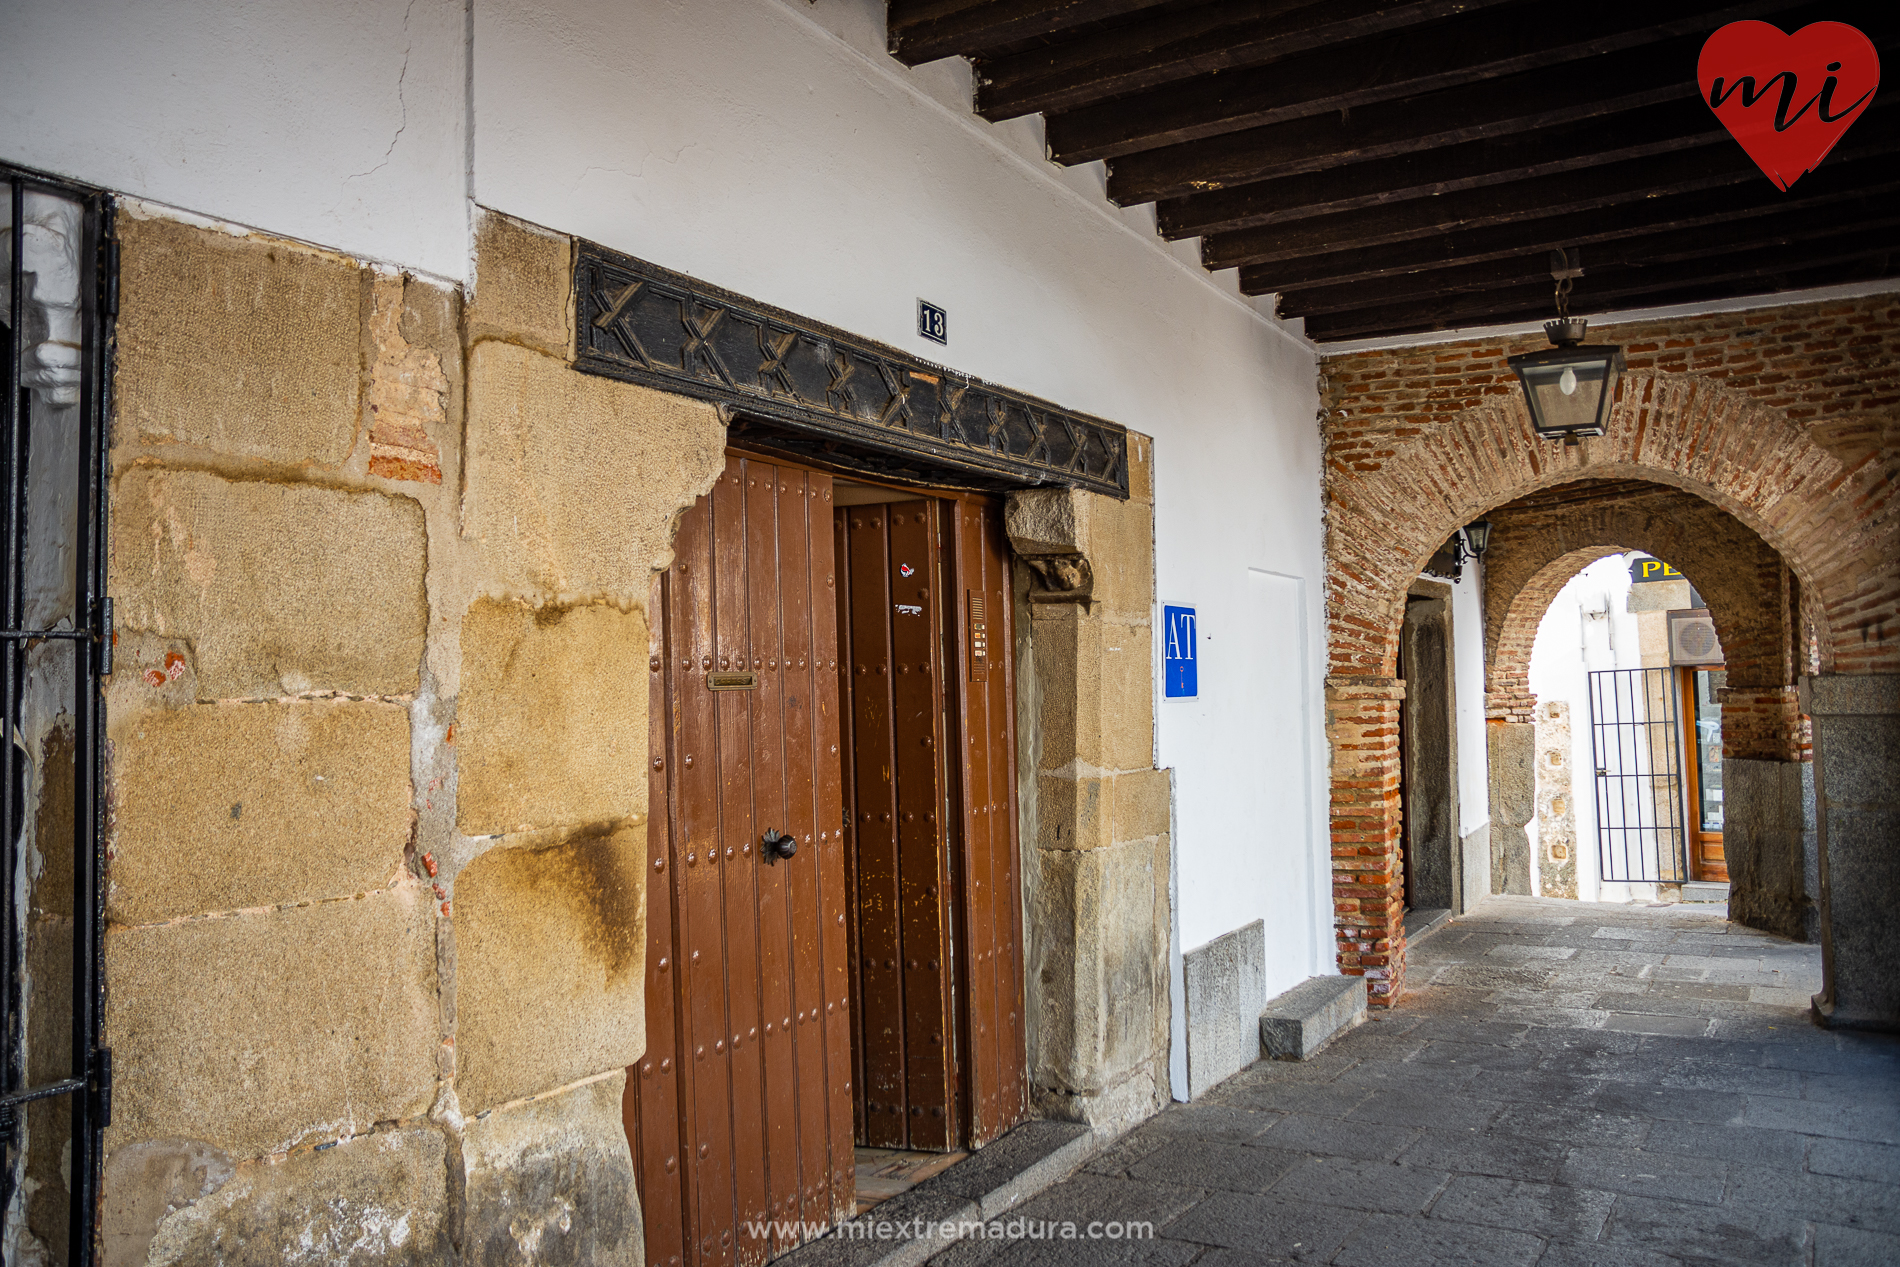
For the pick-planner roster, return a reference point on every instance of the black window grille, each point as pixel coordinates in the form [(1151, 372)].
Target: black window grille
[(55, 647), (1639, 791)]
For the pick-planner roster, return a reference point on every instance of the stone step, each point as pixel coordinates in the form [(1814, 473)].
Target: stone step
[(1304, 1019), (1422, 922), (1704, 891), (910, 1227)]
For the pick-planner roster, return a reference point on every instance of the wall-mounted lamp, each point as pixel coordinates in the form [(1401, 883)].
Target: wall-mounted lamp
[(1570, 387), (1478, 537)]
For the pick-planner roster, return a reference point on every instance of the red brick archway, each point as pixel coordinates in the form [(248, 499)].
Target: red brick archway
[(1785, 421), (1539, 542)]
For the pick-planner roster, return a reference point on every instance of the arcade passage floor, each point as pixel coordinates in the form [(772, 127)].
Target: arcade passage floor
[(1565, 1084)]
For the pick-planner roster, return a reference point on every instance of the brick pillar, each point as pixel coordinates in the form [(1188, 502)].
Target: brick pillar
[(1362, 721), (1762, 723)]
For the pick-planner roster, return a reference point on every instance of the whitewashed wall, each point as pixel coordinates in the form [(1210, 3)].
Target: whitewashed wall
[(1587, 629), (1467, 641), (341, 122)]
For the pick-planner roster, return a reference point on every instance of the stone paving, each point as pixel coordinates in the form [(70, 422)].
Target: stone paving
[(1565, 1084)]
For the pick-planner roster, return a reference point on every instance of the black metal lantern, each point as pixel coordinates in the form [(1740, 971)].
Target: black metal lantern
[(1570, 387), (1478, 537)]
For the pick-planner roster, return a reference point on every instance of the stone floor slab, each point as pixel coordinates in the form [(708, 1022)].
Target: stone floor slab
[(1499, 1115)]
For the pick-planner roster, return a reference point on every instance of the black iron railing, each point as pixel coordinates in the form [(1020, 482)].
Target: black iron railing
[(55, 647)]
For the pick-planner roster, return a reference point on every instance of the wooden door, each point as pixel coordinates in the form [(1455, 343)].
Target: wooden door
[(740, 1112), (937, 989), (984, 688), (892, 608)]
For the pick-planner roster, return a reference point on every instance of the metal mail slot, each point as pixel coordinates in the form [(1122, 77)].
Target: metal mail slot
[(732, 681)]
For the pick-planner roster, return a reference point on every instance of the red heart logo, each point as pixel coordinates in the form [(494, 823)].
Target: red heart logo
[(1788, 98)]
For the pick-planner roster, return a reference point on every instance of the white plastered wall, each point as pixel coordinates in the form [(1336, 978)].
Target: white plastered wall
[(340, 123), (1588, 628)]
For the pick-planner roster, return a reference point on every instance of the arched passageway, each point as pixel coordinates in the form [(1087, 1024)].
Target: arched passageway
[(1781, 518)]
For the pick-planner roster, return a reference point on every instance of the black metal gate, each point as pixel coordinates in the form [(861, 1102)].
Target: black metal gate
[(1636, 739), (55, 1086)]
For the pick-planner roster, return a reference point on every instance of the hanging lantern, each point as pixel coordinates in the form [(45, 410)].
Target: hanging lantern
[(1570, 387)]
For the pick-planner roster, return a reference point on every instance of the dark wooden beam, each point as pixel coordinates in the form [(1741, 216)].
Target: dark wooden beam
[(1637, 181), (1713, 212), (1596, 89), (1531, 304), (1468, 113), (1660, 129), (1608, 270), (1482, 47), (919, 31), (1172, 45)]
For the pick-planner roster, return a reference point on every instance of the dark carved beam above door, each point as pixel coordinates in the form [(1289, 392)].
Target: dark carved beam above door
[(645, 324)]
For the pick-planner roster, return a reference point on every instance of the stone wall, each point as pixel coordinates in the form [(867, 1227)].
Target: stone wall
[(376, 756), (1096, 814), (1784, 420), (378, 762)]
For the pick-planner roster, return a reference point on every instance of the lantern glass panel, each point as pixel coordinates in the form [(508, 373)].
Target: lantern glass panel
[(1567, 397)]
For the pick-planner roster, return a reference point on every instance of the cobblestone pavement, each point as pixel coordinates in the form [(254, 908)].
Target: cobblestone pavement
[(1564, 1084)]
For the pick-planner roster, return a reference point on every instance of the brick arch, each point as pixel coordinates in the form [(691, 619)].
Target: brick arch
[(1826, 509), (1405, 467), (1539, 543)]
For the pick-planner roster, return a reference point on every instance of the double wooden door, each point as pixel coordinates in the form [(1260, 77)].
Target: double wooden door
[(872, 966)]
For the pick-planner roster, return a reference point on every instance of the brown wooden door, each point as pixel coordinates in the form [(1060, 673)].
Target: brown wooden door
[(982, 638), (740, 1112), (937, 991)]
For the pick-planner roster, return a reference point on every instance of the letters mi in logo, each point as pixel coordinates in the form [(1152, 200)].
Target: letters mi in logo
[(1179, 659)]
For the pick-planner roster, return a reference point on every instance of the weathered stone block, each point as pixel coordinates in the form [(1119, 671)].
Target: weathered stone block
[(550, 963), (551, 726), (1226, 986), (1121, 552), (1075, 812), (523, 290), (1298, 1023), (545, 444), (1764, 832), (1141, 467), (142, 1183), (1143, 805), (224, 806), (372, 1201), (1127, 685), (250, 346), (254, 1033), (1511, 748), (1857, 777), (280, 588), (1099, 975), (1048, 520), (551, 1183)]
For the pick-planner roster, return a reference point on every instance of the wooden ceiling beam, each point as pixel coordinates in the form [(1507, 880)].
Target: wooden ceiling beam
[(1608, 270), (1662, 129), (1637, 181), (1490, 45), (1176, 44), (919, 31), (1471, 112), (1713, 212), (1529, 304)]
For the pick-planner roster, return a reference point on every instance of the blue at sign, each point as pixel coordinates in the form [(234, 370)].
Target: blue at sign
[(1178, 658)]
